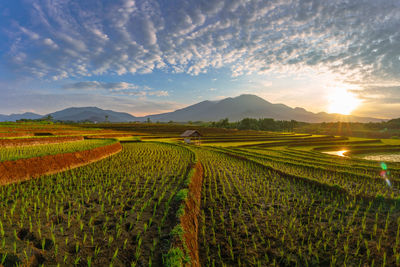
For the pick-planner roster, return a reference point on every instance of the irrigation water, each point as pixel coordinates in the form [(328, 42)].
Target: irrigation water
[(339, 153), (387, 157)]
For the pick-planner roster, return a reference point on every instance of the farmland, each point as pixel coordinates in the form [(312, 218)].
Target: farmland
[(20, 152), (241, 198), (116, 210), (260, 216)]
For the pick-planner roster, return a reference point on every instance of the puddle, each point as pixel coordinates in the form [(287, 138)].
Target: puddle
[(385, 157), (339, 153)]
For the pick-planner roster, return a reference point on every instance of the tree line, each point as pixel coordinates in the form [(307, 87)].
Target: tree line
[(266, 124)]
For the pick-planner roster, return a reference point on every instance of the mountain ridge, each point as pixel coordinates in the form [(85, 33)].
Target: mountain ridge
[(94, 114), (233, 108), (252, 106), (15, 117)]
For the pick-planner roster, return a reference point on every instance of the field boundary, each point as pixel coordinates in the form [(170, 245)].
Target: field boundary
[(189, 220), (184, 249), (25, 169)]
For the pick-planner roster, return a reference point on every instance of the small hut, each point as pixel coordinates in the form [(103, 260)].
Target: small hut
[(189, 134)]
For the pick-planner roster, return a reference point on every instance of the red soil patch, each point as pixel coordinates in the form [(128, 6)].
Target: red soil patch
[(15, 134), (25, 169), (38, 141), (189, 220)]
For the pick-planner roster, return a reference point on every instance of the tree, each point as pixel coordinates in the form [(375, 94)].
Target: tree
[(293, 125), (267, 124), (224, 123), (248, 124)]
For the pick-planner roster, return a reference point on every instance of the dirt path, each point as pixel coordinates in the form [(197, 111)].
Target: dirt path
[(189, 220)]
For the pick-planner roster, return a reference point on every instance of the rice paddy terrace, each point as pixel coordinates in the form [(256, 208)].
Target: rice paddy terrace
[(241, 198)]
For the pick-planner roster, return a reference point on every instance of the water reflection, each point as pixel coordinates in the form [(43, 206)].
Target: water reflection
[(388, 157), (339, 153)]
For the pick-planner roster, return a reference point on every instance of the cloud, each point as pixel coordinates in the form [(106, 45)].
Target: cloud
[(32, 35), (357, 40), (117, 88), (95, 85), (159, 93), (379, 94), (379, 101), (50, 43)]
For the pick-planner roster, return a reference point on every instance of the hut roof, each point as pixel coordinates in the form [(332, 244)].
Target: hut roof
[(190, 133)]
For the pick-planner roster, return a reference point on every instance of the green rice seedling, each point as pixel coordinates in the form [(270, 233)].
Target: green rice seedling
[(268, 206), (292, 208), (21, 152), (3, 258)]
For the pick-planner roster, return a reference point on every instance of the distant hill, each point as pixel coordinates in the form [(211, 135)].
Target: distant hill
[(15, 117), (393, 124), (93, 114), (250, 106), (235, 109)]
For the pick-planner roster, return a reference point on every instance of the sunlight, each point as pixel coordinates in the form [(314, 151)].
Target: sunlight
[(342, 101), (339, 153)]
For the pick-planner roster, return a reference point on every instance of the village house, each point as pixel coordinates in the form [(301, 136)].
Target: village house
[(191, 137)]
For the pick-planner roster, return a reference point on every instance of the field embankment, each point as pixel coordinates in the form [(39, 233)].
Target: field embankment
[(184, 248), (189, 220)]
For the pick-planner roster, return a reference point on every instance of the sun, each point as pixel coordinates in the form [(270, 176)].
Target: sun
[(342, 101)]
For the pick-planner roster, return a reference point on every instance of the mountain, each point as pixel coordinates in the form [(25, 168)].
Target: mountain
[(93, 114), (250, 106), (15, 117), (235, 109)]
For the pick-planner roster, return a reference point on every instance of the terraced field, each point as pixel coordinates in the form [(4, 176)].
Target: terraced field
[(254, 215), (23, 152), (239, 199), (285, 203), (119, 210), (9, 130)]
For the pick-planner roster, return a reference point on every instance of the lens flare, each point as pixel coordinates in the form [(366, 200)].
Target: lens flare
[(385, 173), (383, 166)]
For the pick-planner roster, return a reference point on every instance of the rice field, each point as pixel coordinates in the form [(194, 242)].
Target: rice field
[(264, 199), (253, 215), (23, 152), (116, 211)]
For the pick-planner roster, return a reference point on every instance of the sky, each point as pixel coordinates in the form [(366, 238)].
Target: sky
[(147, 57)]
